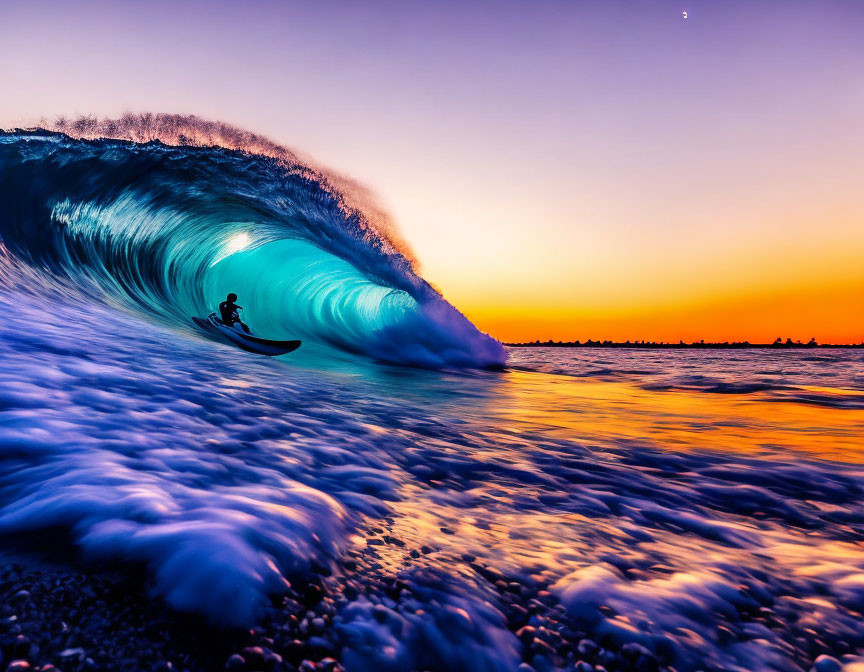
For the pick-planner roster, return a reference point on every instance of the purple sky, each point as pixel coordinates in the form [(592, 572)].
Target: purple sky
[(586, 160)]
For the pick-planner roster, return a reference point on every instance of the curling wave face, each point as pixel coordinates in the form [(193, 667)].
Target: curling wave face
[(170, 230)]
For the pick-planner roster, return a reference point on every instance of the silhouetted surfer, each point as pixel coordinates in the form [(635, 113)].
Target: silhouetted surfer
[(228, 312)]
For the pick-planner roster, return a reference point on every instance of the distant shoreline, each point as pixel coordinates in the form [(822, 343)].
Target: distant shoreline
[(699, 345)]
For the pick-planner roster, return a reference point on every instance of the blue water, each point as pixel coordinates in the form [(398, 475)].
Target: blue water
[(707, 506)]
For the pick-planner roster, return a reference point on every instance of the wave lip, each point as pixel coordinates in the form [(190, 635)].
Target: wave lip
[(171, 228)]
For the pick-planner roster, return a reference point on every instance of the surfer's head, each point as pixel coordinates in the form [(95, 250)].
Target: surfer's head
[(232, 297)]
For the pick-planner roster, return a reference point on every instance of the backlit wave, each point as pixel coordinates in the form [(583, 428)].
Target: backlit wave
[(178, 211)]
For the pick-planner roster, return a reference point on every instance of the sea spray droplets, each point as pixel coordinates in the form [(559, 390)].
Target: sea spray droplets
[(192, 131)]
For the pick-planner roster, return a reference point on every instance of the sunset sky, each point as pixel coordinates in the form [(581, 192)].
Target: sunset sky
[(573, 169)]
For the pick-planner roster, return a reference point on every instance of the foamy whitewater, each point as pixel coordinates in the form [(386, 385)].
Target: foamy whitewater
[(626, 509)]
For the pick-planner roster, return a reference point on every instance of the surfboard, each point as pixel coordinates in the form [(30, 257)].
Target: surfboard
[(241, 339)]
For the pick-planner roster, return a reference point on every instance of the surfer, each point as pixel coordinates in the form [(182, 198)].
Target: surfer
[(223, 325), (228, 312)]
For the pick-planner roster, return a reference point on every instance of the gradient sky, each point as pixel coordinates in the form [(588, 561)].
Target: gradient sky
[(562, 170)]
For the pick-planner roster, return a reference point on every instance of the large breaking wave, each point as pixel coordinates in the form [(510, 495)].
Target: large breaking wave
[(175, 212)]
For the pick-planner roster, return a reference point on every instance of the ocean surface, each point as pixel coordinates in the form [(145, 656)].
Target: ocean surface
[(700, 510)]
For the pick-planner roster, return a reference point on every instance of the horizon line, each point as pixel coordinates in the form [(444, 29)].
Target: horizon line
[(779, 343)]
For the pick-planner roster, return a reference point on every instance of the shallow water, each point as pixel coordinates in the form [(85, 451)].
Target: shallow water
[(657, 513)]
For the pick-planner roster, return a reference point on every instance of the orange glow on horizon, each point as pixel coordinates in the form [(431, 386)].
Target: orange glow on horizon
[(831, 314), (798, 275)]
